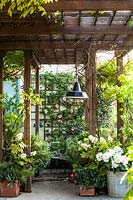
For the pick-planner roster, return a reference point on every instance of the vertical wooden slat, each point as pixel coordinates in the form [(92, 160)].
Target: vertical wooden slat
[(90, 110), (37, 106), (27, 121), (119, 61), (1, 109)]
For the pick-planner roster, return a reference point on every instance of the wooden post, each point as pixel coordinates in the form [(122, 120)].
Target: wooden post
[(27, 121), (119, 61), (37, 106), (1, 109), (90, 108)]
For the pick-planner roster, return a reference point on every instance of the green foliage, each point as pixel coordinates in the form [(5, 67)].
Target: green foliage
[(129, 195), (87, 177), (8, 173), (72, 154), (63, 117), (25, 8), (103, 112), (21, 163), (42, 155), (124, 95), (105, 78), (13, 65), (106, 74), (13, 118)]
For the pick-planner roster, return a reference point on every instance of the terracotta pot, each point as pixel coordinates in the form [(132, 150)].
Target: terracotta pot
[(87, 191), (8, 190)]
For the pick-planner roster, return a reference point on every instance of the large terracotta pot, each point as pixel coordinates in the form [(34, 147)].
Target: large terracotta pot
[(9, 190)]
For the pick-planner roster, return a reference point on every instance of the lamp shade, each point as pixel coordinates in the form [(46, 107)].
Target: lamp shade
[(76, 93)]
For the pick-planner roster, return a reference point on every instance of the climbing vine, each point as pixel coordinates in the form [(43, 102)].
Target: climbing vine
[(24, 8), (62, 117)]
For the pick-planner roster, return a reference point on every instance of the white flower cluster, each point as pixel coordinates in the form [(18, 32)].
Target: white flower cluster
[(113, 156)]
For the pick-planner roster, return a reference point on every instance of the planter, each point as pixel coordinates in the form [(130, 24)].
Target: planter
[(87, 191), (7, 190), (115, 187)]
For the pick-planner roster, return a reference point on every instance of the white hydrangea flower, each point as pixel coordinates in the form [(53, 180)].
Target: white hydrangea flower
[(114, 165), (23, 155), (117, 158), (111, 152), (124, 160), (102, 140), (118, 150), (33, 153), (99, 156), (93, 139), (106, 157)]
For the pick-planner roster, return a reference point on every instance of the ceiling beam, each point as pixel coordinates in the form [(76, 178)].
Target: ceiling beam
[(41, 28), (90, 5), (41, 45)]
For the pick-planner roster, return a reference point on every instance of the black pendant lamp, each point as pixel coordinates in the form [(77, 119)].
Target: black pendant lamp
[(76, 93)]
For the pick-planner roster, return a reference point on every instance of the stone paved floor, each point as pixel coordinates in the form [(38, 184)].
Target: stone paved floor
[(55, 190)]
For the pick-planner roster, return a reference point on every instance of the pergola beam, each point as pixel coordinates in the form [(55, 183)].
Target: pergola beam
[(90, 5), (42, 28), (41, 45)]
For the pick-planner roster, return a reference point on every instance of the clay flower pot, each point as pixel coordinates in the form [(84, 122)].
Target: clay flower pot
[(87, 191), (9, 190)]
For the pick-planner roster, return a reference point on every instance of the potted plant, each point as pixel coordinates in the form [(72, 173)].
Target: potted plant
[(9, 183), (116, 163), (16, 167), (85, 180)]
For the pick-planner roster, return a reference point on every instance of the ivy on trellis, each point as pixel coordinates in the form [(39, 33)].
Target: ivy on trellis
[(62, 117)]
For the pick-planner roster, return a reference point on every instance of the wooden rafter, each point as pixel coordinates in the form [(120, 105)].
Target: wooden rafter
[(90, 5), (43, 28), (41, 45)]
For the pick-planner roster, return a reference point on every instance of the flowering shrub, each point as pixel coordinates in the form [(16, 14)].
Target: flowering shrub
[(22, 163), (114, 159), (90, 146)]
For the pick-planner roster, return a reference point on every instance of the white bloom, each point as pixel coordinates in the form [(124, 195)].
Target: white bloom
[(22, 145), (114, 165), (117, 158), (111, 152), (33, 153), (110, 138), (124, 160), (85, 146), (102, 140), (23, 156), (106, 157), (99, 156), (19, 136), (93, 139), (118, 150)]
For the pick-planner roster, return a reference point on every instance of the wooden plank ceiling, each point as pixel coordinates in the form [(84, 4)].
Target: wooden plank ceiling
[(100, 24)]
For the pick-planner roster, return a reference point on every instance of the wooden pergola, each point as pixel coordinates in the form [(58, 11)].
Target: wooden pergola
[(88, 26)]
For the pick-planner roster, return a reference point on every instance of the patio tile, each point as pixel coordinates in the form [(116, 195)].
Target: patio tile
[(55, 190)]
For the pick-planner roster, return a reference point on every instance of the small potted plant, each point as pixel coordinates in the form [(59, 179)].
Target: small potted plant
[(9, 183), (85, 180)]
